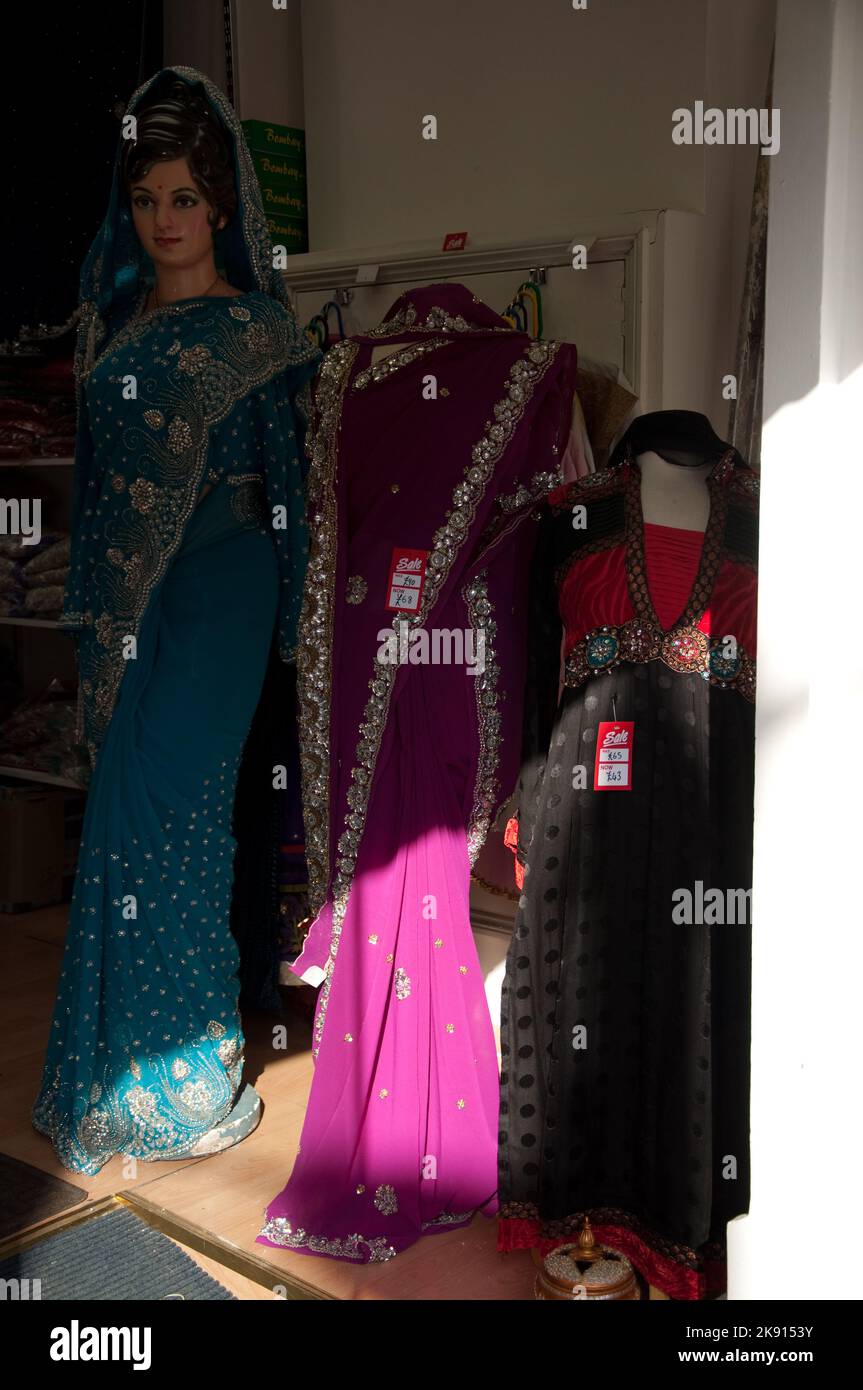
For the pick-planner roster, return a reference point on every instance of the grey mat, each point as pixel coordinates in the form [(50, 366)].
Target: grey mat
[(28, 1195), (112, 1257)]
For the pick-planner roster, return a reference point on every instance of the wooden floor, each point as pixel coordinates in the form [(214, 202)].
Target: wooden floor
[(225, 1195)]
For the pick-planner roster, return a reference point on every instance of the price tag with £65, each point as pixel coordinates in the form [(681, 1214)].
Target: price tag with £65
[(613, 768)]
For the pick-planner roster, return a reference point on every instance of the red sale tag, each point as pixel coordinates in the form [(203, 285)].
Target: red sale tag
[(455, 241), (613, 769), (407, 576)]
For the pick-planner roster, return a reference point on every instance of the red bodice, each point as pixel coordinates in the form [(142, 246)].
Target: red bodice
[(595, 593)]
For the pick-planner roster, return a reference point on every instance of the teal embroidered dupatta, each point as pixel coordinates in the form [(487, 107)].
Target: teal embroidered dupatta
[(189, 364)]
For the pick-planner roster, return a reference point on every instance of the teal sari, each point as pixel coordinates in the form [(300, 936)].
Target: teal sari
[(188, 557)]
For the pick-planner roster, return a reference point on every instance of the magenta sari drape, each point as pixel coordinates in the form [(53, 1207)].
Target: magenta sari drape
[(405, 766)]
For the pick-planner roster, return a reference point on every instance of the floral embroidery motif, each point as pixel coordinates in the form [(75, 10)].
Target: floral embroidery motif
[(402, 984), (386, 1200), (540, 485), (356, 589), (448, 1218), (196, 359), (179, 435), (280, 1231), (143, 494), (191, 1095)]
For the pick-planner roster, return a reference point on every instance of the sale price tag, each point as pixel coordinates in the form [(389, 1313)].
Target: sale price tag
[(613, 768), (407, 576)]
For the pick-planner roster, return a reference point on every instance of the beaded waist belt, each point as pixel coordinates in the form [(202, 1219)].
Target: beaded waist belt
[(718, 660)]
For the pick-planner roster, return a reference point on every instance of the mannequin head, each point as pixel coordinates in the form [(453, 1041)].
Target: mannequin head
[(179, 178)]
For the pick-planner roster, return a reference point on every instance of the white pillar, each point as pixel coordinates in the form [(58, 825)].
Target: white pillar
[(807, 919)]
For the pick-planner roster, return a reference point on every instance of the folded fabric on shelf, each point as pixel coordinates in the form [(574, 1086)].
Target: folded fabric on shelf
[(48, 599), (47, 578), (16, 548), (40, 735), (53, 557)]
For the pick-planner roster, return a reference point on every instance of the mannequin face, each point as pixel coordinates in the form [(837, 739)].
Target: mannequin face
[(167, 203)]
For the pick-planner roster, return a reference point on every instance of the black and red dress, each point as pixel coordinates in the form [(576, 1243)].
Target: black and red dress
[(625, 1030)]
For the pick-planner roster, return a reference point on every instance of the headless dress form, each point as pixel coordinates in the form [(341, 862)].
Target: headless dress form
[(673, 495)]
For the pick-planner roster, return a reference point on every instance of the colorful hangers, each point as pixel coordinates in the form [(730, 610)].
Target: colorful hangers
[(524, 312), (318, 327)]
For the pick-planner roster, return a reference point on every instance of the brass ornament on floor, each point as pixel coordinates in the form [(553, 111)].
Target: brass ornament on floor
[(586, 1270)]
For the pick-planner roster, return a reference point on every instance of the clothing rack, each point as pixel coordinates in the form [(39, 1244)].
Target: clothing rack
[(343, 275), (320, 270)]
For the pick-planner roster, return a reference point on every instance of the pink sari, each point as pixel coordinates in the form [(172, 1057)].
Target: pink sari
[(405, 765)]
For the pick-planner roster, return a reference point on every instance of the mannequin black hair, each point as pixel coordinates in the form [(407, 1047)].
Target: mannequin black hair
[(175, 122)]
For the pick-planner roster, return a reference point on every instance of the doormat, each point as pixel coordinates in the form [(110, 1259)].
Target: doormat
[(115, 1257), (27, 1195)]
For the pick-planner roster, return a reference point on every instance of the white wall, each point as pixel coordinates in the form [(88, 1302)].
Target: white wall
[(546, 114), (194, 37), (268, 62), (807, 919), (267, 55)]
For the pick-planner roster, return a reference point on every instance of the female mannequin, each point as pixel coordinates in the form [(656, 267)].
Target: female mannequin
[(181, 575)]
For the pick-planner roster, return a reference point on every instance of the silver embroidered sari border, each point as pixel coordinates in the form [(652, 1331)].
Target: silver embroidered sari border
[(488, 696), (406, 320), (389, 366), (279, 1231), (315, 640)]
